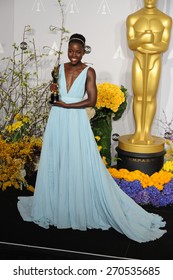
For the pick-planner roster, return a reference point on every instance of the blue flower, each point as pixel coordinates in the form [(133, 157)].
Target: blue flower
[(150, 195), (168, 188), (142, 197)]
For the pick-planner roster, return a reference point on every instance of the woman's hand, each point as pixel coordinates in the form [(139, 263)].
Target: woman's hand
[(53, 87), (60, 104)]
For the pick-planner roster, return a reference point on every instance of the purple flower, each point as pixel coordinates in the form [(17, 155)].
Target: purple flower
[(168, 188), (150, 195), (142, 197)]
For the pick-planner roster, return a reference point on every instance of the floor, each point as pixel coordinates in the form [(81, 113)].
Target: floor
[(25, 240)]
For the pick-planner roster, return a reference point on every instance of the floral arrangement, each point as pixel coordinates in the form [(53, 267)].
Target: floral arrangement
[(167, 127), (24, 108), (155, 190), (18, 129), (17, 159), (21, 91), (168, 166), (111, 100), (111, 103), (19, 154)]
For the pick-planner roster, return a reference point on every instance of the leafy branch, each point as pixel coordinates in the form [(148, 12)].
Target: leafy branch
[(21, 90)]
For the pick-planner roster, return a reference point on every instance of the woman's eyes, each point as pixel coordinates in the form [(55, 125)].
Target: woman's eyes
[(75, 52)]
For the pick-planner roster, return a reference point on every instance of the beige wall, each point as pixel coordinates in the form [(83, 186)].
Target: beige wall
[(6, 26), (102, 22)]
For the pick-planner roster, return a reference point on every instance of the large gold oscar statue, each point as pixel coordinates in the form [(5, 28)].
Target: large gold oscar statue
[(148, 36)]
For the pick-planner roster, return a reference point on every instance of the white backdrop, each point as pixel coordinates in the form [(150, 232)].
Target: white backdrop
[(103, 23)]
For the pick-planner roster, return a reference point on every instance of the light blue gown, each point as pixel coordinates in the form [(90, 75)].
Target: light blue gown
[(73, 187)]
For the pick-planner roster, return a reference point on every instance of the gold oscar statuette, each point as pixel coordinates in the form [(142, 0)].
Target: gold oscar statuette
[(148, 36), (55, 92)]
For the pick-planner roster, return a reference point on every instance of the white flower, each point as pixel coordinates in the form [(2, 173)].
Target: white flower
[(22, 173), (36, 162), (91, 112)]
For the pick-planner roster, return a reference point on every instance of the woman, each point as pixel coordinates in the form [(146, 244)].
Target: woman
[(73, 187)]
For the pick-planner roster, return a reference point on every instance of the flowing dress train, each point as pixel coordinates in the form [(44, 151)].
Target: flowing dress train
[(73, 187)]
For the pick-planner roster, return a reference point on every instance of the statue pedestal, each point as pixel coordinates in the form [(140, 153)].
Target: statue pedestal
[(147, 158)]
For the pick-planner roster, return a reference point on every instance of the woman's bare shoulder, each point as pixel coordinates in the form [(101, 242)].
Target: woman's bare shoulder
[(91, 71)]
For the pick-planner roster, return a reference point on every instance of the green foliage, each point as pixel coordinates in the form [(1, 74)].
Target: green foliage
[(122, 107), (102, 127), (101, 124)]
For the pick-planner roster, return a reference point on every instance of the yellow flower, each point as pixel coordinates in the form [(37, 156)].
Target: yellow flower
[(168, 166), (25, 119), (158, 179), (17, 125), (104, 160), (30, 188), (109, 96), (169, 150), (5, 185), (97, 138), (13, 157), (17, 117)]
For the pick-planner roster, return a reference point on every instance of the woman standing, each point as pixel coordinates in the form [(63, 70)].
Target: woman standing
[(73, 187)]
